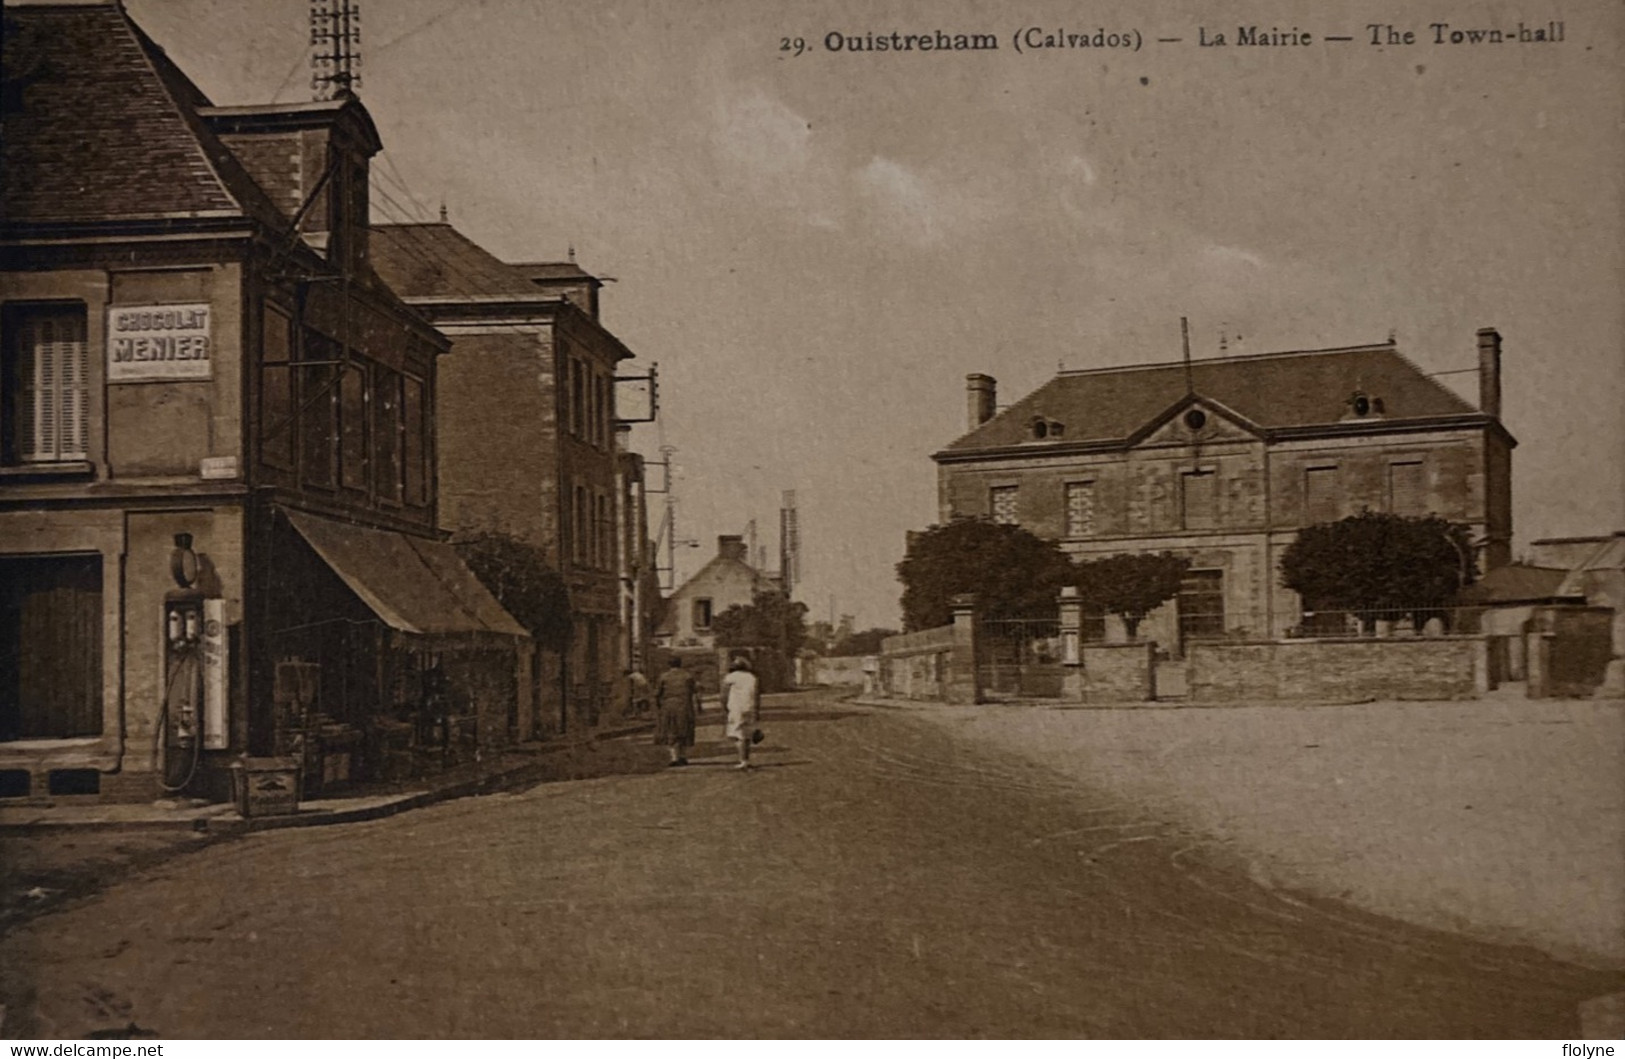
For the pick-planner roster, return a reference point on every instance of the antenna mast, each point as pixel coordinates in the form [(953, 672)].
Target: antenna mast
[(335, 48), (1185, 338)]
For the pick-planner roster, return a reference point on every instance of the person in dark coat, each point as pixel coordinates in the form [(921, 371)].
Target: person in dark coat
[(677, 703)]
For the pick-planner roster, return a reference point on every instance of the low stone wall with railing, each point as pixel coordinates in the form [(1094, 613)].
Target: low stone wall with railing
[(1338, 670)]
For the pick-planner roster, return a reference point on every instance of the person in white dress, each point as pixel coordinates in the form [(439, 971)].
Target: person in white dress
[(742, 701)]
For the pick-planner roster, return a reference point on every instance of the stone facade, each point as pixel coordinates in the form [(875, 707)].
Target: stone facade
[(1226, 462), (530, 440), (185, 373)]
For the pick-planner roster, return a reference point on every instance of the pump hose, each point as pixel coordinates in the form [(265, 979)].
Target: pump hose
[(160, 749)]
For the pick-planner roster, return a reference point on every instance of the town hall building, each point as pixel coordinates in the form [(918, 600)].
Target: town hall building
[(1223, 460)]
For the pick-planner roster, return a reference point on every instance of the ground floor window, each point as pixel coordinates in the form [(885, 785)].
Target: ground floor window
[(1201, 605), (50, 647)]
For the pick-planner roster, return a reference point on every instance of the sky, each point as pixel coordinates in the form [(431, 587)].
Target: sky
[(817, 248)]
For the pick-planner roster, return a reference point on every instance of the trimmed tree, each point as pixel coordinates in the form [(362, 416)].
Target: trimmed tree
[(519, 576), (1012, 572), (1376, 562), (865, 642), (771, 620), (1130, 586)]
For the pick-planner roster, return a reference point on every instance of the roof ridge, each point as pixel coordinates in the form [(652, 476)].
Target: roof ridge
[(1371, 347)]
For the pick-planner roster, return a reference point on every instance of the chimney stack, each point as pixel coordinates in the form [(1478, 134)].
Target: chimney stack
[(981, 393), (732, 546), (1489, 371)]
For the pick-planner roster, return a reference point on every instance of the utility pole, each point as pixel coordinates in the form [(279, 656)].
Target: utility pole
[(667, 533)]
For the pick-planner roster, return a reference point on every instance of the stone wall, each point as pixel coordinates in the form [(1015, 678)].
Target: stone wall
[(844, 669), (1118, 672), (916, 665), (1440, 667)]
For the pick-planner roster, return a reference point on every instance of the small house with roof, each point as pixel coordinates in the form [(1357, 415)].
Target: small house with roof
[(727, 580), (1223, 460)]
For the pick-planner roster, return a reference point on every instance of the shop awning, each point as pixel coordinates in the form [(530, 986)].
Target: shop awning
[(412, 584)]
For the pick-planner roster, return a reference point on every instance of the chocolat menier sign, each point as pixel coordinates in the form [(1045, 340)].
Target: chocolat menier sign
[(157, 342)]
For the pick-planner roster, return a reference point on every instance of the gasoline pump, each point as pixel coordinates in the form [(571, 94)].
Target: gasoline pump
[(180, 714), (192, 713)]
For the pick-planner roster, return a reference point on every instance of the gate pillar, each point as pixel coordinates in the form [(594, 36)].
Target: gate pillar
[(963, 683), (1072, 675)]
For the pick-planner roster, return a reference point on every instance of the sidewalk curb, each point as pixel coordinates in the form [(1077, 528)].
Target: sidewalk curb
[(215, 822), (926, 705)]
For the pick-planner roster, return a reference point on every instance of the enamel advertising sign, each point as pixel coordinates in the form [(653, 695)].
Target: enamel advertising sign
[(158, 342)]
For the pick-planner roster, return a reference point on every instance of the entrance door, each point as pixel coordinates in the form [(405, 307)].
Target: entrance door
[(50, 647)]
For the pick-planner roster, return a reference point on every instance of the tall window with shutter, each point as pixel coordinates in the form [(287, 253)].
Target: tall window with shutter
[(45, 385), (1407, 488), (1001, 500), (1080, 509), (1321, 500)]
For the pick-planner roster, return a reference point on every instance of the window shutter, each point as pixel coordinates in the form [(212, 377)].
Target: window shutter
[(74, 371), (29, 352), (47, 421), (52, 412)]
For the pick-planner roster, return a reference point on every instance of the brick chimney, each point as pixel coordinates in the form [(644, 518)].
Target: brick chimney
[(981, 396), (732, 546), (1489, 371)]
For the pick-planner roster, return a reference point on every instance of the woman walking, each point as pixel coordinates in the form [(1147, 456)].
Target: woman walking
[(676, 704), (742, 699)]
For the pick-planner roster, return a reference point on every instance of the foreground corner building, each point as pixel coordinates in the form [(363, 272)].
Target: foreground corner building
[(218, 527)]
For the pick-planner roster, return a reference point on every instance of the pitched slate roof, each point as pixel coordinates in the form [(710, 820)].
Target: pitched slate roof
[(1272, 390), (435, 260), (99, 125), (1516, 583)]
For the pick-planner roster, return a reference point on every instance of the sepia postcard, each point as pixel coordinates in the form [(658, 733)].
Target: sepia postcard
[(712, 520)]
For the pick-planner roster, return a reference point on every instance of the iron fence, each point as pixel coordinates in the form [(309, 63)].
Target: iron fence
[(1021, 657), (1411, 620)]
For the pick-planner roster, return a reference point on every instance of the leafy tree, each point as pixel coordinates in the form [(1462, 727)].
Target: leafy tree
[(518, 575), (1130, 586), (1375, 561), (1012, 572), (771, 620), (866, 642)]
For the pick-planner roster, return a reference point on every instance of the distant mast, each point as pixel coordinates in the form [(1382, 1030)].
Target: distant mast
[(789, 542), (335, 48)]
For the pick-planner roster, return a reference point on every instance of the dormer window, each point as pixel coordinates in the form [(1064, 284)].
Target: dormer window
[(1047, 428), (1363, 406)]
